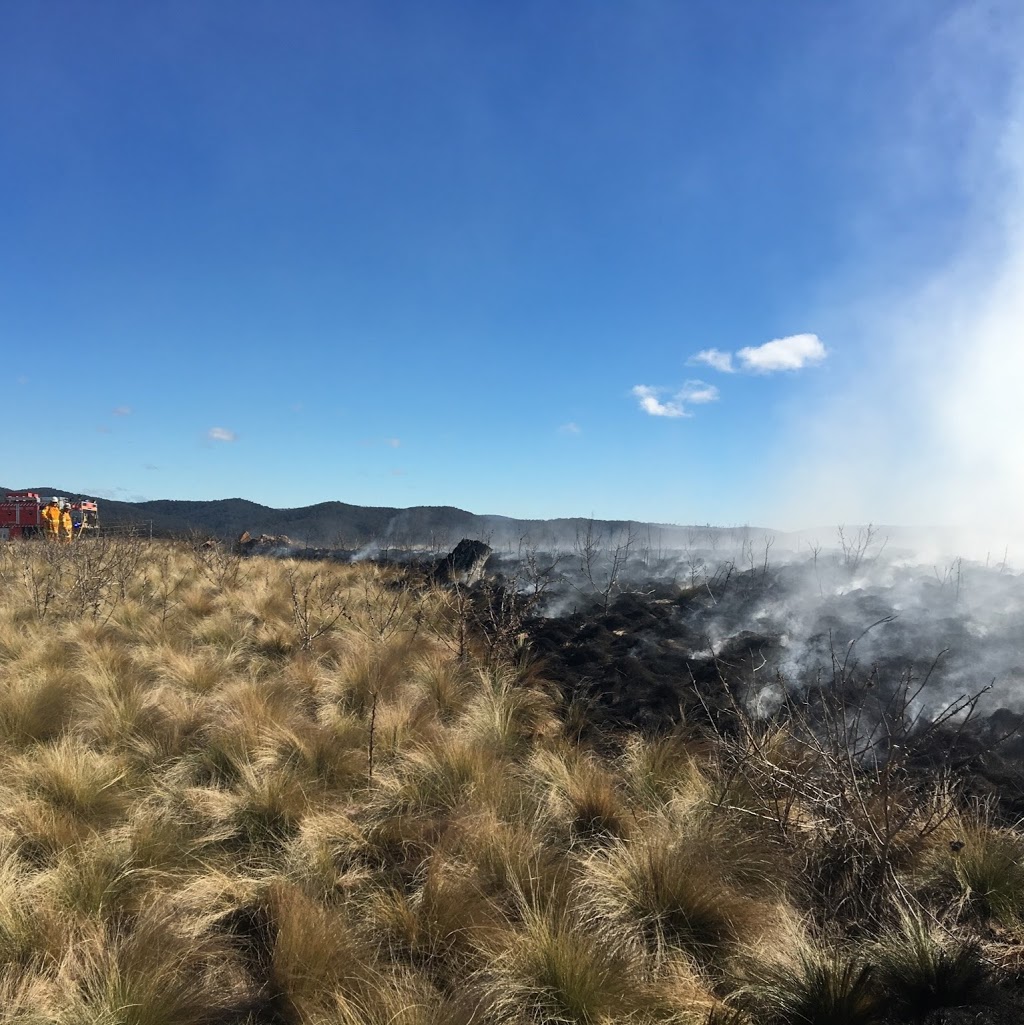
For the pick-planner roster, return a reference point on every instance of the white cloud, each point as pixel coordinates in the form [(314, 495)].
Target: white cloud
[(653, 406), (393, 442), (694, 392), (571, 428), (698, 392), (123, 411), (221, 434), (715, 358), (793, 352)]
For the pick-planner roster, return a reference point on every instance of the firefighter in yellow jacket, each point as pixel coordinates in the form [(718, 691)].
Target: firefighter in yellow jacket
[(51, 519), (66, 532)]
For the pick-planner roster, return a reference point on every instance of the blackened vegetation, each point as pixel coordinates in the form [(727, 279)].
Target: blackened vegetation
[(887, 685), (642, 662)]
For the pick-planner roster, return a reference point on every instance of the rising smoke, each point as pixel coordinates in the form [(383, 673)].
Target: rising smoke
[(787, 610), (925, 426)]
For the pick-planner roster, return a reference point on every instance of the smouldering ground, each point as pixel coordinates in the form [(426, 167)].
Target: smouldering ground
[(271, 791)]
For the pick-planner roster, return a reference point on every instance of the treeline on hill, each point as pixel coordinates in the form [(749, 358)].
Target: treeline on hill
[(273, 791)]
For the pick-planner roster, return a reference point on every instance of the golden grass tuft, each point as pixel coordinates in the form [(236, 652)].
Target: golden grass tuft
[(582, 793), (677, 895), (311, 951), (159, 971), (75, 780), (560, 967)]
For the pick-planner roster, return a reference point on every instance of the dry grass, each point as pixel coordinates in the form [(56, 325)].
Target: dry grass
[(680, 896), (242, 791)]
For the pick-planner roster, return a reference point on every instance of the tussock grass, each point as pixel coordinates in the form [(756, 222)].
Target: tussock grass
[(243, 791), (922, 969), (443, 776), (444, 682), (31, 932), (36, 706), (816, 988), (581, 793), (981, 867), (328, 857), (159, 971), (506, 715), (559, 967), (437, 923), (679, 896), (310, 951), (661, 770), (73, 779)]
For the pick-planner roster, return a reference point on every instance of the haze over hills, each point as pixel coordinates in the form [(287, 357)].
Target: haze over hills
[(342, 525), (345, 525)]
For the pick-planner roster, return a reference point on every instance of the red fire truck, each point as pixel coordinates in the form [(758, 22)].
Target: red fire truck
[(21, 515)]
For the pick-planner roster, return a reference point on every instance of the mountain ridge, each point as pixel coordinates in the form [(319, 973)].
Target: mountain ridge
[(343, 524)]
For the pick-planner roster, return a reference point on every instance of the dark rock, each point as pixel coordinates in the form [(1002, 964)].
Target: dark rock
[(464, 564)]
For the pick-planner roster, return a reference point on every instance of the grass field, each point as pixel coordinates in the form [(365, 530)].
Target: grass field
[(271, 791)]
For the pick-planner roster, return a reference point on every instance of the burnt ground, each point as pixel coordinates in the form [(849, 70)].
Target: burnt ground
[(643, 661), (658, 655)]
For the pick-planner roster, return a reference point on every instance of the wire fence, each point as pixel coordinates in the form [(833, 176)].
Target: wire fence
[(137, 528)]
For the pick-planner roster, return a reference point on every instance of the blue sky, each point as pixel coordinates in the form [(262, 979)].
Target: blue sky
[(468, 254)]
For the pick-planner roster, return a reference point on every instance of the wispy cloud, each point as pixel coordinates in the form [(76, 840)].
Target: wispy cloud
[(794, 352), (570, 428), (698, 392), (393, 442), (221, 434), (653, 406), (716, 359), (674, 404), (122, 411)]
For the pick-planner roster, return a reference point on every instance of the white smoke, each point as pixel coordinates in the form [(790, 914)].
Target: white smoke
[(926, 428)]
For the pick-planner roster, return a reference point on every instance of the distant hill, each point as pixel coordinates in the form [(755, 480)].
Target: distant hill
[(342, 525)]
